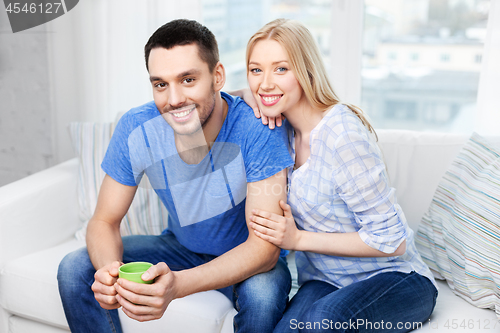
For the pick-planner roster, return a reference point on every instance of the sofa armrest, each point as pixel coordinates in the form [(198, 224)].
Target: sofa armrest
[(38, 211)]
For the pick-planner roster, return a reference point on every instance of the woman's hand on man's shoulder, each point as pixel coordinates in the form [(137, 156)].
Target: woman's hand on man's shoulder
[(247, 96)]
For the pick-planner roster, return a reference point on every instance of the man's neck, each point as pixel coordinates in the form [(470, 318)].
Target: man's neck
[(194, 147)]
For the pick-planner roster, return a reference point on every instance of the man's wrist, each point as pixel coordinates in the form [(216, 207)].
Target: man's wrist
[(180, 285)]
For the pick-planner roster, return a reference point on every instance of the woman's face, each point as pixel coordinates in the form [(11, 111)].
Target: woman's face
[(272, 80)]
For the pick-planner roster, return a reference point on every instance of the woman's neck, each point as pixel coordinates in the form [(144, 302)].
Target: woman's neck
[(304, 118)]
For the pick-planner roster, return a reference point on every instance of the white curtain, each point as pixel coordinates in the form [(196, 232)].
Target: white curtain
[(488, 98), (96, 59), (346, 49)]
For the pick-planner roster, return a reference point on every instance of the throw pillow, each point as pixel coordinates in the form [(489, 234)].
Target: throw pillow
[(146, 215), (459, 237)]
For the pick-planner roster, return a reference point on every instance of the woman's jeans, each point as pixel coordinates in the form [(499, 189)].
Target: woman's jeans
[(386, 302), (260, 300)]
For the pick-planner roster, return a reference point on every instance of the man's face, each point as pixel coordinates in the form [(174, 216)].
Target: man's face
[(183, 87)]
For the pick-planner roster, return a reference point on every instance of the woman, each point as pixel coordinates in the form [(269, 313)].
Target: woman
[(357, 263)]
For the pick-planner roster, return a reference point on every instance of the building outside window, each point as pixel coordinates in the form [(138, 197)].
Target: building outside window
[(435, 88), (445, 57), (234, 21), (421, 58)]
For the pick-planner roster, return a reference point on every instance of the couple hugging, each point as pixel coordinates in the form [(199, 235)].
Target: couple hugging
[(239, 195)]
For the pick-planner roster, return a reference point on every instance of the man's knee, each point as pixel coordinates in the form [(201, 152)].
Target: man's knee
[(75, 269), (265, 291), (261, 287)]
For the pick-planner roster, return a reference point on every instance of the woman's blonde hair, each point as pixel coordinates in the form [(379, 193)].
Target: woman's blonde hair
[(306, 62)]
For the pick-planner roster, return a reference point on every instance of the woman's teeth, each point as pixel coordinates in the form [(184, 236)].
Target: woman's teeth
[(270, 98)]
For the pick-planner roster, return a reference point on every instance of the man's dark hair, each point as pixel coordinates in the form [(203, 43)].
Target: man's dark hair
[(184, 32)]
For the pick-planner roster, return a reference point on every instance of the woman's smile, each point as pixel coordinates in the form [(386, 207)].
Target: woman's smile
[(269, 100)]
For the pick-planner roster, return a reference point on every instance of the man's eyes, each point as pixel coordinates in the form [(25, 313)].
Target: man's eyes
[(163, 84)]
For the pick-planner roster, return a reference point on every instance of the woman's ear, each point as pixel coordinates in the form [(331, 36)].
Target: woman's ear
[(219, 76)]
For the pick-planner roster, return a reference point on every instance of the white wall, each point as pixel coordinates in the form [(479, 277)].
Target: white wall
[(25, 117), (87, 65)]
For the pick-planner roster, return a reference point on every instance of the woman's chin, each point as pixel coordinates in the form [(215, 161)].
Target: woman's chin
[(271, 114)]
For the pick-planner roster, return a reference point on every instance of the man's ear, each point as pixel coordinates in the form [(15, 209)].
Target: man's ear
[(219, 76)]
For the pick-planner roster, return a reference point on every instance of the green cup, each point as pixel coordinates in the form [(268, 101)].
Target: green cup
[(133, 271)]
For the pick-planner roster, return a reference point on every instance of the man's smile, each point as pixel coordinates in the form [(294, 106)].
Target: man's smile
[(183, 113)]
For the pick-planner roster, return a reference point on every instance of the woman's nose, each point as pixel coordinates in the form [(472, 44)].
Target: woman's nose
[(267, 82)]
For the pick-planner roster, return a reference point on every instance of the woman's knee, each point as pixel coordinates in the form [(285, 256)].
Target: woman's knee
[(319, 319)]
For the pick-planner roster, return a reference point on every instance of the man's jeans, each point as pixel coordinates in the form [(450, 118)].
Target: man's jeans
[(260, 300), (386, 302)]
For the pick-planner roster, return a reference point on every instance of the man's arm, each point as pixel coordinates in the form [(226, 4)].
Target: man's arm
[(249, 258), (104, 242), (254, 255)]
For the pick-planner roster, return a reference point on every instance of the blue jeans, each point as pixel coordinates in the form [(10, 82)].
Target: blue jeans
[(387, 302), (260, 300)]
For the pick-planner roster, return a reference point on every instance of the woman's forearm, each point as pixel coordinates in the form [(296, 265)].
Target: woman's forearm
[(239, 92), (341, 244)]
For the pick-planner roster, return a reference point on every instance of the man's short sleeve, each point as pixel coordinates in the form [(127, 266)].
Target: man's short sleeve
[(116, 162), (265, 150)]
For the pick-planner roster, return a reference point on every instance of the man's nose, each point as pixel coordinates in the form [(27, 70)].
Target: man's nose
[(176, 97)]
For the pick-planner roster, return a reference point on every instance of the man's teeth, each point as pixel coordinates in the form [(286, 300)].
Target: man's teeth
[(181, 114), (270, 99)]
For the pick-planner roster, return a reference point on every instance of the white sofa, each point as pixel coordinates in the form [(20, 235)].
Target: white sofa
[(39, 216)]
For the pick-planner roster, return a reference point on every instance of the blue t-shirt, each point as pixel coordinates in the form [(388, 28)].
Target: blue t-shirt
[(205, 201)]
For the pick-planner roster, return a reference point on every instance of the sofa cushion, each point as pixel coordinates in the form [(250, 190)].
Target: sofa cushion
[(36, 274), (146, 216), (205, 312), (455, 314), (22, 325), (460, 234), (415, 163)]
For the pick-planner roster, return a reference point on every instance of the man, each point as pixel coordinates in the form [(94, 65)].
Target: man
[(211, 163)]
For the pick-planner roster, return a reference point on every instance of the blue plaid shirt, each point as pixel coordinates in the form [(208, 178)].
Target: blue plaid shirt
[(343, 187)]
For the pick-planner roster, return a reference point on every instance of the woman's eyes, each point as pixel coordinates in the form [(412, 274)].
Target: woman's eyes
[(279, 70)]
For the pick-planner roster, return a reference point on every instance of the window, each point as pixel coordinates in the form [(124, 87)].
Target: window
[(420, 58), (445, 57), (435, 87), (234, 21)]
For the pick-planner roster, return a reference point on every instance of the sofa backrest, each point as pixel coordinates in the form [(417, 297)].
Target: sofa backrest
[(415, 162)]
